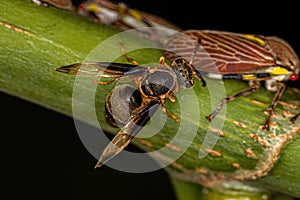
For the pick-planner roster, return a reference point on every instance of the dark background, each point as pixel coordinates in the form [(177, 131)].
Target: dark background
[(40, 152)]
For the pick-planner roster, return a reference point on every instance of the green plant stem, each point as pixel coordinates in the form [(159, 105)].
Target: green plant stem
[(186, 190), (38, 40)]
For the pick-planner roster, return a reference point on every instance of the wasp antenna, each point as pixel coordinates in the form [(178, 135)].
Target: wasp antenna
[(195, 50)]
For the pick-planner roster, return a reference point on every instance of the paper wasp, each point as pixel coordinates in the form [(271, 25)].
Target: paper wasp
[(154, 85), (246, 57)]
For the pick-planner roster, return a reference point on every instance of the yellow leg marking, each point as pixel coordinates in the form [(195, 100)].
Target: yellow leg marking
[(172, 98), (170, 114), (104, 82)]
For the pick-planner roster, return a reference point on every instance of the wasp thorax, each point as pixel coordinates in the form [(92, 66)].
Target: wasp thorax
[(184, 72), (121, 103), (158, 83)]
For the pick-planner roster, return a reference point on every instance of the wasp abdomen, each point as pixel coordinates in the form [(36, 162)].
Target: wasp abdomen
[(121, 103)]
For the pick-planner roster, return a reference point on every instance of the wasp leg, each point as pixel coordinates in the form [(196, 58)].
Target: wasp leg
[(125, 55), (270, 110), (177, 120), (171, 97), (104, 82), (293, 119), (253, 88)]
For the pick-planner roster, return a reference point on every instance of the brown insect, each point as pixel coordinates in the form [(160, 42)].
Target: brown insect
[(246, 57), (119, 15), (154, 85), (124, 17)]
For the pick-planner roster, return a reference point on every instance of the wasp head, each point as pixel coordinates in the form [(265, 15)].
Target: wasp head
[(184, 71)]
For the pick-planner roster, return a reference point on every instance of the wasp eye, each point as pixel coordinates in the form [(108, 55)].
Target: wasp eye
[(179, 60), (294, 77)]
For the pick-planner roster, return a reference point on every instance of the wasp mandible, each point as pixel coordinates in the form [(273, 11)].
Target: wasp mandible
[(246, 57), (154, 86)]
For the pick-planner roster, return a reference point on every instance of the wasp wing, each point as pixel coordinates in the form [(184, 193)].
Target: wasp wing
[(222, 52), (129, 131), (102, 69)]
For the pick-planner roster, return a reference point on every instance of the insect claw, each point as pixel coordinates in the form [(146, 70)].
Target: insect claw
[(209, 118), (266, 126), (177, 120), (293, 119)]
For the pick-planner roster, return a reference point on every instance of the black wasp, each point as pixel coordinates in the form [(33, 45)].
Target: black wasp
[(154, 85)]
